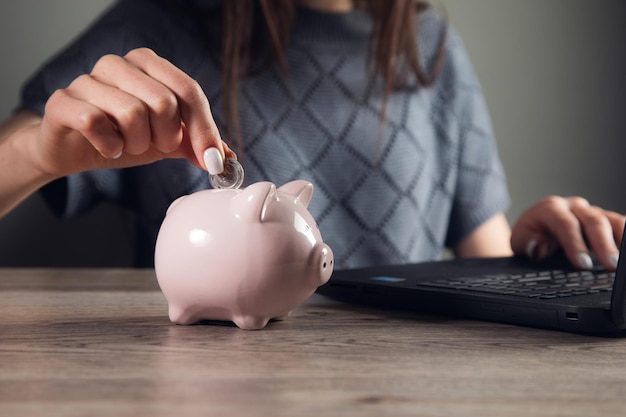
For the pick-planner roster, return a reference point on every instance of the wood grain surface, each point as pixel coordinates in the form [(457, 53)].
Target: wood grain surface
[(97, 342)]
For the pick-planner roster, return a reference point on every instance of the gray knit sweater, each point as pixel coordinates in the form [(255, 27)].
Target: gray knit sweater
[(426, 181)]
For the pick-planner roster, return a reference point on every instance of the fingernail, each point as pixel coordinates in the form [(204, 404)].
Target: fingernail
[(530, 248), (213, 161), (613, 258), (117, 155), (584, 261)]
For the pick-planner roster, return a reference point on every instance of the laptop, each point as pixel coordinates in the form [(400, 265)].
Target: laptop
[(549, 294)]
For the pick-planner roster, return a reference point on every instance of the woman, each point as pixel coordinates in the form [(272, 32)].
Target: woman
[(374, 102)]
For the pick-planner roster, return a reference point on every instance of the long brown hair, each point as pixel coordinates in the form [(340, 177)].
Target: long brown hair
[(265, 25)]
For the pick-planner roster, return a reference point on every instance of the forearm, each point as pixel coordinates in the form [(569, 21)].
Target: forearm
[(492, 238), (19, 176)]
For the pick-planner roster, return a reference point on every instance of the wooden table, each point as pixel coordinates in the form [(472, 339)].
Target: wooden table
[(76, 342)]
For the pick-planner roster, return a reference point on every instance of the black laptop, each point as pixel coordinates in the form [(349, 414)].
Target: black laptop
[(549, 294)]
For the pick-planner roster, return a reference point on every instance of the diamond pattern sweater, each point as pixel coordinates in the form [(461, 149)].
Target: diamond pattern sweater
[(386, 192)]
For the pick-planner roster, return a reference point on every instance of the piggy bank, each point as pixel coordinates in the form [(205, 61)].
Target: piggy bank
[(241, 255)]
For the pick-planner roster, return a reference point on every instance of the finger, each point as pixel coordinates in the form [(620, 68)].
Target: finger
[(618, 222), (192, 102), (163, 113), (540, 247), (63, 113), (599, 233), (534, 243), (555, 218), (129, 114), (228, 152), (566, 227)]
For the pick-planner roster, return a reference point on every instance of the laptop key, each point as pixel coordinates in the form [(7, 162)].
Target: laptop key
[(543, 285)]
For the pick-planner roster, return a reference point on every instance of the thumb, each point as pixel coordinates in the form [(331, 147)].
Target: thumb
[(533, 245)]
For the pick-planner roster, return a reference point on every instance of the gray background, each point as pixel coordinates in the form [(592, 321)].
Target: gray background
[(551, 71)]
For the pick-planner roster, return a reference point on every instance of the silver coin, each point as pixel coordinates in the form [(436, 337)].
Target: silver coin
[(231, 177)]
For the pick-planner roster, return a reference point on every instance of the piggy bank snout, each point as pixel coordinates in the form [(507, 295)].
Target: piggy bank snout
[(322, 263)]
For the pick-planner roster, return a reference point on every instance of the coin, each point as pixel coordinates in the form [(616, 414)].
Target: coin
[(231, 177)]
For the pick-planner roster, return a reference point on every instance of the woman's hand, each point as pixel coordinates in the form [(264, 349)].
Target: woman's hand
[(573, 224), (128, 111)]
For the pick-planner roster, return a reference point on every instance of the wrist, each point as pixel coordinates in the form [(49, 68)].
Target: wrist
[(24, 148), (19, 175)]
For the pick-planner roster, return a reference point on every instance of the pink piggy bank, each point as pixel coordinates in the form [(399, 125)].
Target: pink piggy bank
[(246, 256)]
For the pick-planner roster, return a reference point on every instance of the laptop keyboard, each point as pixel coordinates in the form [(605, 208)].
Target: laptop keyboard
[(543, 285)]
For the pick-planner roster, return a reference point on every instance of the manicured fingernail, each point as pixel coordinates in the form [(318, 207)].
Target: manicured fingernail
[(530, 248), (613, 258), (584, 261), (117, 155), (213, 161)]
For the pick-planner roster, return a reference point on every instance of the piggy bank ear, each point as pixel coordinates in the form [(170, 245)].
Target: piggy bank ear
[(301, 190), (252, 203)]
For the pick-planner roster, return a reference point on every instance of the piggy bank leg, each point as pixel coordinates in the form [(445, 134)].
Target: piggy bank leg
[(179, 315), (283, 316), (250, 322)]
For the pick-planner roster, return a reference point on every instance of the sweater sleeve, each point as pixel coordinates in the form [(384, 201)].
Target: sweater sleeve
[(481, 190)]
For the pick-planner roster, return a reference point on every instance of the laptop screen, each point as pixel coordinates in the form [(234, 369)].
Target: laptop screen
[(618, 297)]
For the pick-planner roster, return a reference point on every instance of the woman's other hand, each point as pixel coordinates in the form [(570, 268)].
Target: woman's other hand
[(573, 224)]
